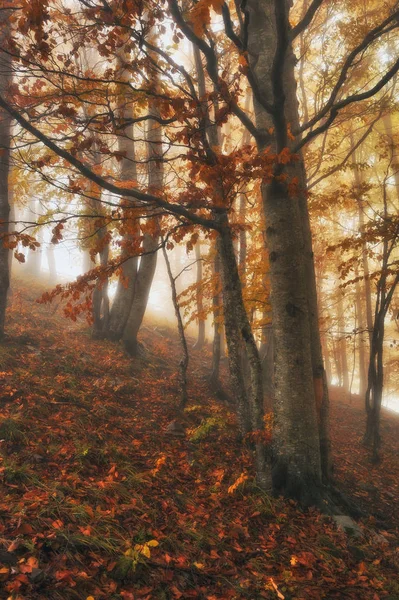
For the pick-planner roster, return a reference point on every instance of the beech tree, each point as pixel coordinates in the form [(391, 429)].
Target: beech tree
[(5, 140), (261, 41)]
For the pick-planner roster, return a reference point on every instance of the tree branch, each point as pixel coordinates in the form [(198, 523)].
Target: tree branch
[(346, 102), (364, 44), (306, 19), (147, 198)]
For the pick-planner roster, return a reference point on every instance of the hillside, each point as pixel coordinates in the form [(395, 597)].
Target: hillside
[(98, 501)]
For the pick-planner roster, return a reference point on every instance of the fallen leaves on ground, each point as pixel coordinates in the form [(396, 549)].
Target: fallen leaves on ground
[(97, 503)]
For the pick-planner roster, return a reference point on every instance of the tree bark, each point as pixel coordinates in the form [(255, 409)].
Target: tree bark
[(342, 338), (183, 364), (5, 141), (298, 438), (239, 335), (148, 260), (34, 259), (123, 300), (199, 299), (361, 327), (212, 134)]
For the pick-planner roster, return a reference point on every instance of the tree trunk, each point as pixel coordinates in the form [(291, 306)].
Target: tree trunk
[(199, 299), (183, 364), (361, 327), (217, 325), (34, 259), (299, 440), (148, 260), (5, 141), (238, 336), (52, 269), (213, 136), (342, 339), (123, 300)]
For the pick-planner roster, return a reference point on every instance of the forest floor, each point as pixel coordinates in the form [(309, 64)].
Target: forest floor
[(98, 502)]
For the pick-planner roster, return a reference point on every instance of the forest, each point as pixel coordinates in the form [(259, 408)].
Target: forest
[(199, 308)]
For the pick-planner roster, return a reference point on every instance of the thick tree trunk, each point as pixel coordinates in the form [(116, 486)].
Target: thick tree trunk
[(5, 140), (297, 469), (148, 260), (319, 374), (122, 304), (301, 434)]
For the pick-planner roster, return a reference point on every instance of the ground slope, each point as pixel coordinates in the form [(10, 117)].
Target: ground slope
[(97, 501)]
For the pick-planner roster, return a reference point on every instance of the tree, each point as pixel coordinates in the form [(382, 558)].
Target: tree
[(5, 141)]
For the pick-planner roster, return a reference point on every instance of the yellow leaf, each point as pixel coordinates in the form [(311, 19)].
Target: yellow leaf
[(152, 543), (90, 598), (199, 565), (146, 551)]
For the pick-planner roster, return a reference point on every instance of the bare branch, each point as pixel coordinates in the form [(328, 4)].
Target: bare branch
[(306, 19), (346, 102), (372, 35), (147, 198)]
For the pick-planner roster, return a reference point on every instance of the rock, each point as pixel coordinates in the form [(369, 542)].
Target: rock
[(348, 525), (176, 429)]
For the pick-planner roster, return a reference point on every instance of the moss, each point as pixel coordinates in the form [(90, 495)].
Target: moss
[(207, 427)]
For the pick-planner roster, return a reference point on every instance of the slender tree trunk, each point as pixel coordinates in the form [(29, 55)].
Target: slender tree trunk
[(342, 339), (361, 326), (100, 309), (327, 359), (217, 325), (199, 299), (183, 364), (213, 136), (358, 176), (87, 263), (34, 260), (52, 269), (5, 141), (250, 408)]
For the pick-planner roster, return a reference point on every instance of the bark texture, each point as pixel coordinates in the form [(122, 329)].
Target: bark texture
[(300, 434), (5, 140), (148, 260), (125, 291)]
